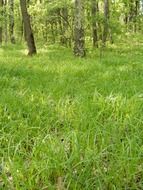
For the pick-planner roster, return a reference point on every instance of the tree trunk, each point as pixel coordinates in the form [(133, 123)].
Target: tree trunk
[(5, 25), (28, 29), (106, 22), (79, 41), (52, 32), (58, 11), (94, 23), (1, 15), (11, 19), (64, 14), (137, 7)]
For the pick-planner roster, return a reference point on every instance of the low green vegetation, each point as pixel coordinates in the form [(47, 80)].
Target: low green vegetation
[(69, 123)]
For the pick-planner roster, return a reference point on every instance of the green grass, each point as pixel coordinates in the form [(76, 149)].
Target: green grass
[(71, 123)]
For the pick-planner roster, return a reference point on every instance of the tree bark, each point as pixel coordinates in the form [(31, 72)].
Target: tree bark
[(5, 25), (28, 29), (79, 41), (64, 14), (1, 14), (137, 7), (106, 22), (94, 23), (11, 19)]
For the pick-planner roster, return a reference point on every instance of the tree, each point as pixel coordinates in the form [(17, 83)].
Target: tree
[(11, 18), (5, 21), (106, 22), (27, 28), (94, 23), (64, 15), (79, 41), (1, 15)]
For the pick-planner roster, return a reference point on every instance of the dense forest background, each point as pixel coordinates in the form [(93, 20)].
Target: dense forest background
[(77, 24)]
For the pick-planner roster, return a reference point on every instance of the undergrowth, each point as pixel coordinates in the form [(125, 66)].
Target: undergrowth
[(69, 123)]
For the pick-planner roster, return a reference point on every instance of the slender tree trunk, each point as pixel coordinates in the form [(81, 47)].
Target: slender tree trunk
[(60, 24), (52, 32), (99, 26), (11, 19), (94, 23), (131, 10), (5, 27), (28, 29), (1, 14), (106, 22), (79, 41), (64, 12), (137, 6), (126, 18)]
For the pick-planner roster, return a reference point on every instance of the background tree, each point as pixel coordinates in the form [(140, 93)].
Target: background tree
[(106, 22), (79, 41), (11, 21), (1, 18), (5, 21), (94, 7), (28, 29)]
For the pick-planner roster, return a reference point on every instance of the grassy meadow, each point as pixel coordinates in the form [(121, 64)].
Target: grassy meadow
[(71, 123)]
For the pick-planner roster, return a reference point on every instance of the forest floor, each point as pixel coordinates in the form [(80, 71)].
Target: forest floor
[(71, 123)]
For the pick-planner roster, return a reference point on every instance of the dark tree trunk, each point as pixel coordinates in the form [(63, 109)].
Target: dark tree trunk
[(58, 11), (5, 25), (94, 23), (131, 10), (28, 29), (11, 19), (1, 14), (79, 41), (137, 7), (53, 32), (106, 22), (64, 14)]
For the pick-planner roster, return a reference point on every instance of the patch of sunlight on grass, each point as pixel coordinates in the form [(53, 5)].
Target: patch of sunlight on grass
[(126, 68), (23, 51), (1, 51)]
